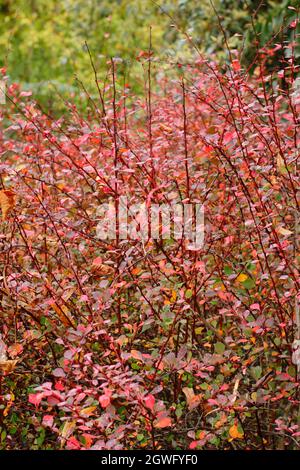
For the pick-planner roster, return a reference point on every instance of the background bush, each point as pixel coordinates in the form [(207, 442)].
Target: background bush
[(43, 41)]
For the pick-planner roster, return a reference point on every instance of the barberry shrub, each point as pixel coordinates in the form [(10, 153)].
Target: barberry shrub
[(151, 343)]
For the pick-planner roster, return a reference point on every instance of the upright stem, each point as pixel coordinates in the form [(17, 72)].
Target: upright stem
[(150, 111), (185, 141), (116, 186)]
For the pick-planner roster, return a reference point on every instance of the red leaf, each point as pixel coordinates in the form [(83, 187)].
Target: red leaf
[(48, 421), (149, 401)]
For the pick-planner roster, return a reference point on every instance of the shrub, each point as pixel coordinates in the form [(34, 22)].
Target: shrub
[(147, 343)]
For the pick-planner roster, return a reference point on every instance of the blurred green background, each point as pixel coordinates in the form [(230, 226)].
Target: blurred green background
[(42, 41)]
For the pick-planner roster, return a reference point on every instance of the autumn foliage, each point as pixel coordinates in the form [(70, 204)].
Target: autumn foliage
[(119, 344)]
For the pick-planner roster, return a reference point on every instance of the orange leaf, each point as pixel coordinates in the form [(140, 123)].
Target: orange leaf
[(63, 314), (8, 366), (15, 349), (101, 269), (7, 202), (163, 422), (242, 277), (235, 433), (136, 355)]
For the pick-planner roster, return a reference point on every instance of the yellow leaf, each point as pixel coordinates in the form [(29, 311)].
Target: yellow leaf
[(273, 180), (7, 202), (281, 167), (88, 411), (199, 330), (235, 433), (166, 128), (170, 296), (242, 277), (6, 410), (68, 428)]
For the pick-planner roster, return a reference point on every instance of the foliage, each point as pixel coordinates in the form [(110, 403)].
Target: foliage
[(119, 344), (242, 20), (44, 41)]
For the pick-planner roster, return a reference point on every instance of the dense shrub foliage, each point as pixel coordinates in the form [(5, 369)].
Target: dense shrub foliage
[(119, 344)]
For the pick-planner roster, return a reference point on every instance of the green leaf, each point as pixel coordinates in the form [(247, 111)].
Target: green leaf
[(228, 270), (188, 294), (219, 347), (256, 372), (249, 283)]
